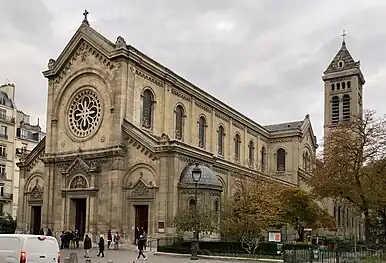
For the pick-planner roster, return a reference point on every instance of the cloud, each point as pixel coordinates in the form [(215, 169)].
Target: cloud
[(264, 58)]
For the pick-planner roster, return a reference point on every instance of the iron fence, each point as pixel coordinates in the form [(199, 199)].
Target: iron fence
[(317, 255)]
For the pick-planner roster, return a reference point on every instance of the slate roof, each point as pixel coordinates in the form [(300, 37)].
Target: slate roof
[(208, 177), (284, 126), (345, 56)]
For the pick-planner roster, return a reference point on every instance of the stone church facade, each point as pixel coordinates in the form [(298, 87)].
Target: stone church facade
[(123, 135)]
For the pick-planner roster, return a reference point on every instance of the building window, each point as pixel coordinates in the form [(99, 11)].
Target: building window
[(335, 109), (220, 140), (332, 87), (263, 154), (1, 190), (237, 147), (147, 109), (348, 84), (216, 206), (179, 122), (337, 86), (201, 132), (343, 85), (1, 209), (3, 151), (280, 160), (192, 203), (2, 169), (251, 155), (346, 107), (306, 161), (3, 114)]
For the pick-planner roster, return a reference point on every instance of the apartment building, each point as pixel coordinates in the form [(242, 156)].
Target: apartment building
[(17, 137)]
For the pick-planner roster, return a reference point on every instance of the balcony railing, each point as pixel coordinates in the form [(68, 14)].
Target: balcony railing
[(6, 196), (3, 136), (3, 156), (6, 118)]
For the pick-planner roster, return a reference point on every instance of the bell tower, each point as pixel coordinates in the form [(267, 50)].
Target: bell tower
[(343, 82)]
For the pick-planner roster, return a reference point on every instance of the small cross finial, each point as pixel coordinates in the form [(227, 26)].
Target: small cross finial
[(85, 17), (344, 34)]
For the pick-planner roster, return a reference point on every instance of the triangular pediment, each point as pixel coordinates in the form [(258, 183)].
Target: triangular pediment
[(342, 61), (307, 130), (36, 155), (139, 139), (79, 165), (84, 34)]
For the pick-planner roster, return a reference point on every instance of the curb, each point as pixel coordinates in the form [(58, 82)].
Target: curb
[(224, 258)]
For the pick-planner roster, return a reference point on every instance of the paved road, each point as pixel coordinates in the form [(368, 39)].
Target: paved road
[(127, 256)]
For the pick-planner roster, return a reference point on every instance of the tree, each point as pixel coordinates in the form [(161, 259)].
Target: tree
[(7, 224), (351, 164), (207, 219), (301, 210), (254, 208)]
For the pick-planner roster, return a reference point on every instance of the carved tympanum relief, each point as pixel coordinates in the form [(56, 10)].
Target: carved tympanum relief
[(36, 191), (84, 114), (79, 182)]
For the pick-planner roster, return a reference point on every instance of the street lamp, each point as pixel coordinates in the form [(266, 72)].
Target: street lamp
[(196, 176)]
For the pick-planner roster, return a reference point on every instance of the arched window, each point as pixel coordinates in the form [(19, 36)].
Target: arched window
[(343, 85), (346, 107), (348, 84), (306, 161), (332, 87), (251, 153), (335, 109), (179, 122), (201, 132), (216, 206), (280, 159), (263, 154), (237, 147), (192, 203), (220, 140), (147, 109)]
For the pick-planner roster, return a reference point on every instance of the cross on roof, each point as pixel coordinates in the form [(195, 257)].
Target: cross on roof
[(85, 17), (344, 34)]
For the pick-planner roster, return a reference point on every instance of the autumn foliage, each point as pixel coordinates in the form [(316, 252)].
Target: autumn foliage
[(353, 165)]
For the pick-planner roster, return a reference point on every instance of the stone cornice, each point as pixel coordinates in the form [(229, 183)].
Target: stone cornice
[(106, 152)]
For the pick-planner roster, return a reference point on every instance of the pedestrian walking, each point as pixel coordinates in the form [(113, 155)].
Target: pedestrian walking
[(101, 245), (109, 239), (141, 245), (87, 246)]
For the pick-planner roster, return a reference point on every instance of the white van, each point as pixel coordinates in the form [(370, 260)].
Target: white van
[(15, 248)]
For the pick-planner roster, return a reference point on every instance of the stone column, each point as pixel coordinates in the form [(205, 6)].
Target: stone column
[(115, 209), (21, 220)]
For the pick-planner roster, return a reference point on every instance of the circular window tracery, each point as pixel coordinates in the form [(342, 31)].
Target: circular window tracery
[(84, 113)]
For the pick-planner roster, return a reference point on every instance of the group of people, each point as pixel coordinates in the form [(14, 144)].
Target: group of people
[(87, 243), (69, 237)]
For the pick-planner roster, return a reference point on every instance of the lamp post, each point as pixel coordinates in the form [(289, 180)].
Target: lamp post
[(196, 175)]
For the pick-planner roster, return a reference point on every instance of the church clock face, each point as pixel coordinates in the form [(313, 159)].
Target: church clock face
[(84, 114)]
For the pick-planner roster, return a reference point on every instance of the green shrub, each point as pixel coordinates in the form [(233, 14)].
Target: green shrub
[(7, 224)]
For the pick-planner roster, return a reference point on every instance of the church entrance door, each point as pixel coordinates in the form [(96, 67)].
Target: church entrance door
[(141, 217), (36, 219), (80, 205)]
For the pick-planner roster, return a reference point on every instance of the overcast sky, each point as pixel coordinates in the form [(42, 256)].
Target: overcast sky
[(264, 58)]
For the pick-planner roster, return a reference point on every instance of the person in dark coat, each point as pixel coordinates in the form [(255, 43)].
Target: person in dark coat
[(101, 245), (49, 232), (87, 246), (41, 232), (141, 245), (109, 239)]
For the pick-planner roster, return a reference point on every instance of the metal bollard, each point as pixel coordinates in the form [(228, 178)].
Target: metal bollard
[(109, 261), (67, 260), (87, 260), (73, 257)]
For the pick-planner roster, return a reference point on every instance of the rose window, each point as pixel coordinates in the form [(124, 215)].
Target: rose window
[(84, 113)]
